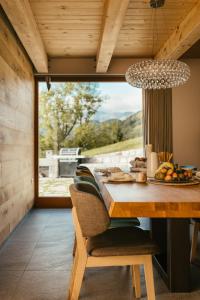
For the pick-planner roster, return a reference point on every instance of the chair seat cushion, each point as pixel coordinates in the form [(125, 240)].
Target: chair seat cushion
[(124, 222), (121, 241)]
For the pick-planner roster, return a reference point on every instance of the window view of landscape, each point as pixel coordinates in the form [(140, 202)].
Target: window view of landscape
[(85, 122)]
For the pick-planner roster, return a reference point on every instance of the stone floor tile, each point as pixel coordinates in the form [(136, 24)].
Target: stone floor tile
[(48, 256), (27, 233), (111, 283), (43, 285), (8, 283), (57, 234), (15, 255)]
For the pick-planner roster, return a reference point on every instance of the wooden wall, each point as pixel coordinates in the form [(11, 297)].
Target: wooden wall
[(16, 132)]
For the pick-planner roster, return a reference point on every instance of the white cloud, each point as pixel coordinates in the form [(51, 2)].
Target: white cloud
[(122, 97)]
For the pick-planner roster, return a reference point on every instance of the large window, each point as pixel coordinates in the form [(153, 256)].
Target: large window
[(85, 122)]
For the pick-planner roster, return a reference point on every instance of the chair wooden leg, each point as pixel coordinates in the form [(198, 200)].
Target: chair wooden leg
[(136, 280), (194, 242), (148, 270), (78, 277), (73, 271)]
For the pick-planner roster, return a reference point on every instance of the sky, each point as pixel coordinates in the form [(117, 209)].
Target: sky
[(121, 98)]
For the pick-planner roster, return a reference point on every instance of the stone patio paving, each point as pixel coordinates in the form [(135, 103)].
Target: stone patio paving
[(58, 187)]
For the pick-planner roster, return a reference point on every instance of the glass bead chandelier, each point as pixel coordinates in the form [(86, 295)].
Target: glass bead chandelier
[(157, 73)]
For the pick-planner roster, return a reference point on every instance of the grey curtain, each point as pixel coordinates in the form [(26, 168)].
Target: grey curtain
[(157, 114)]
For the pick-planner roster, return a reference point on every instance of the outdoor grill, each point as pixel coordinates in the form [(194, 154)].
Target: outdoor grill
[(67, 161)]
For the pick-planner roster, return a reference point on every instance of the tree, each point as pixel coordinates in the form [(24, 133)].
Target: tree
[(63, 108), (93, 135), (85, 136)]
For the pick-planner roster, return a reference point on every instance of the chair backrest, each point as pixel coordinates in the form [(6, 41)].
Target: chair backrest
[(88, 187), (82, 170), (91, 211), (81, 241), (89, 179), (82, 167)]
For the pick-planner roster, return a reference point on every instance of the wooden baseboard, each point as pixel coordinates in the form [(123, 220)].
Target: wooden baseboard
[(52, 202)]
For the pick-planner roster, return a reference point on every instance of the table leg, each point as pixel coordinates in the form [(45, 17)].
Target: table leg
[(178, 254), (174, 260)]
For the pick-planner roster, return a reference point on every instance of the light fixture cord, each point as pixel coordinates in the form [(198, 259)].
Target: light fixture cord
[(163, 20), (153, 29), (157, 39)]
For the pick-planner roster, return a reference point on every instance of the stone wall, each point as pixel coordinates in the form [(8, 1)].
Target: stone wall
[(122, 157)]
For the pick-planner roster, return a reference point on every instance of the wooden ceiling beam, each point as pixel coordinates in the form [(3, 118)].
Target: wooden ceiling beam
[(22, 19), (114, 13), (183, 37)]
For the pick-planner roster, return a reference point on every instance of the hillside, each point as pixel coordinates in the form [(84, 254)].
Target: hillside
[(120, 146), (96, 135), (130, 128)]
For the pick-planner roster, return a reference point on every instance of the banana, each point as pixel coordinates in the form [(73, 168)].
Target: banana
[(166, 165)]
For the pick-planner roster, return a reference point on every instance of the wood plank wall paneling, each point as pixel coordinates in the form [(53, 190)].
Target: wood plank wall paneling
[(16, 132)]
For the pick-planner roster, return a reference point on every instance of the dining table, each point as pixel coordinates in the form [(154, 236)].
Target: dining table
[(170, 209)]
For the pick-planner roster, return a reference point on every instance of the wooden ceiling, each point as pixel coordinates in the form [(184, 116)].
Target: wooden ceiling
[(145, 30), (110, 28), (73, 28), (69, 28)]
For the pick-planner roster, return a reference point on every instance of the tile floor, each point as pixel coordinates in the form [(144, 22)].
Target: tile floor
[(35, 264)]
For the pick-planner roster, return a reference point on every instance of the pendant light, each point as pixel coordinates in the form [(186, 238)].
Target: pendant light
[(157, 73)]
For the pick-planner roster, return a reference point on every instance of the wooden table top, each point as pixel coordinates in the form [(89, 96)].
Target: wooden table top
[(149, 200)]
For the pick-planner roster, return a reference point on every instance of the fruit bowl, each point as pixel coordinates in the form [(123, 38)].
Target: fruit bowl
[(168, 172)]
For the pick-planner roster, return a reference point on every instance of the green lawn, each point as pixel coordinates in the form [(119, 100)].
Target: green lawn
[(121, 146)]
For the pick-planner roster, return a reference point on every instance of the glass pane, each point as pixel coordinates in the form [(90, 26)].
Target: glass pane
[(85, 122)]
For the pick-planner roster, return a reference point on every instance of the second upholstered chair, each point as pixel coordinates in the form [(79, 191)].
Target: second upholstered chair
[(86, 179), (88, 184), (99, 246), (83, 171)]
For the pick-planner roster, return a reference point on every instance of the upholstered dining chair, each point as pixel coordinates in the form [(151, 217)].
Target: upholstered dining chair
[(88, 184), (99, 246), (193, 253)]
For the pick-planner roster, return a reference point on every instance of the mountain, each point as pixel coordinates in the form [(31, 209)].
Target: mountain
[(108, 132), (102, 116), (130, 127)]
